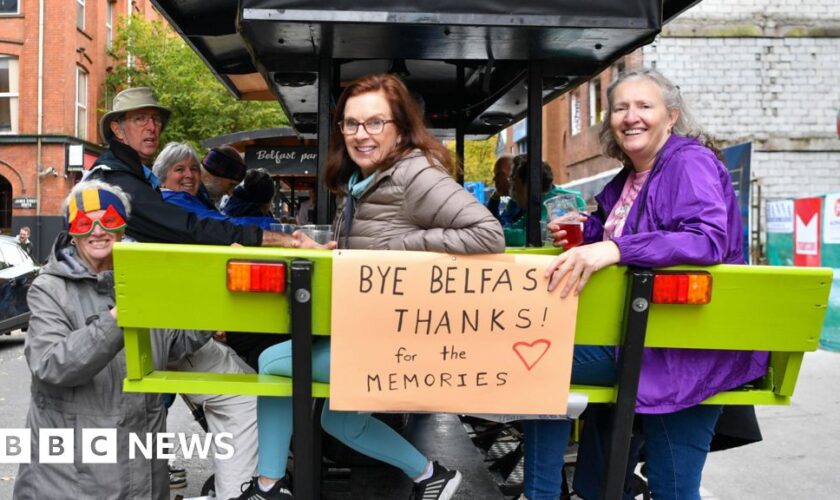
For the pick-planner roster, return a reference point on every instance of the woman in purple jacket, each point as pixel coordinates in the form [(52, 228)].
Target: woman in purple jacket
[(672, 204)]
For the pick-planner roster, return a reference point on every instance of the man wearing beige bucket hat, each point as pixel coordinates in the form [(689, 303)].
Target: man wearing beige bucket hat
[(132, 130)]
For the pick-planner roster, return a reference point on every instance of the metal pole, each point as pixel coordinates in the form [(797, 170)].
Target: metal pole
[(325, 82), (532, 208), (640, 291), (461, 123), (307, 464)]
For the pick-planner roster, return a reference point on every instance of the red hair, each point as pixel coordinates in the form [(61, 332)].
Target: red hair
[(407, 118)]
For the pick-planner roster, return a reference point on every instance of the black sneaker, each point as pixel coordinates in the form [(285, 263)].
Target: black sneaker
[(176, 471), (441, 486), (251, 491), (177, 482)]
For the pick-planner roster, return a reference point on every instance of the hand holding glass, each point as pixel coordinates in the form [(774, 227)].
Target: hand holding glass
[(565, 221)]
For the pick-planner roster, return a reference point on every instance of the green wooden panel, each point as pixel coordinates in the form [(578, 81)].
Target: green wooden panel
[(185, 287), (218, 383), (546, 250), (598, 394), (139, 360), (785, 369), (601, 308), (752, 307)]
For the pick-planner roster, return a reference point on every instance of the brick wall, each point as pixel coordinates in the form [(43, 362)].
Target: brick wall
[(66, 48)]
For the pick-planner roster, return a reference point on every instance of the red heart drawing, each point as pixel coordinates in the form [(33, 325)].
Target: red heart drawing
[(532, 353)]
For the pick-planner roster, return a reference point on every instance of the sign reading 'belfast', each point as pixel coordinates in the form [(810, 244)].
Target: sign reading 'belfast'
[(421, 331)]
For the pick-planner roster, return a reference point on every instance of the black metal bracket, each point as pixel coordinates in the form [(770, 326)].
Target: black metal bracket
[(637, 307), (307, 463)]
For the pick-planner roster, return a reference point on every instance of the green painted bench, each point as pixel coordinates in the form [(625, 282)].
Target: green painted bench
[(772, 309), (775, 309)]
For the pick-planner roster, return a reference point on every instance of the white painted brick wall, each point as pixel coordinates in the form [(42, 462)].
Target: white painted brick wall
[(783, 90), (797, 174), (742, 88), (808, 9)]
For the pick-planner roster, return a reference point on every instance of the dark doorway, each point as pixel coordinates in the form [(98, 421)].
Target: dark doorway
[(5, 206)]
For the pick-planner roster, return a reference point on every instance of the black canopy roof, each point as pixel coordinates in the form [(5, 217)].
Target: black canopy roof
[(270, 49)]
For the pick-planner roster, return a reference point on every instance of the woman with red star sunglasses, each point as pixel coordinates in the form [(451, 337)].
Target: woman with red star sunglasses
[(74, 349), (97, 220)]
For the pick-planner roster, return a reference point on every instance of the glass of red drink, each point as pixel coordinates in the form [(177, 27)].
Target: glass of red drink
[(563, 211)]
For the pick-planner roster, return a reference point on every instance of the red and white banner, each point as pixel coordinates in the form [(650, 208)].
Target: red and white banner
[(806, 232)]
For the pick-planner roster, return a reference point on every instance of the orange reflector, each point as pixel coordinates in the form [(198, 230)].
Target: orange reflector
[(682, 288), (244, 276)]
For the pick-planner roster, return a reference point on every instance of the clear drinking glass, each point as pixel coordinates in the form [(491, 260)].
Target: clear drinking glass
[(563, 210), (321, 233)]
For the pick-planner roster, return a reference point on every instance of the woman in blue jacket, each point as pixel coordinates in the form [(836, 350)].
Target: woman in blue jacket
[(673, 203), (179, 173)]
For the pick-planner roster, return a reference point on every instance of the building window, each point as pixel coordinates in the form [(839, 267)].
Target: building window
[(8, 94), (596, 113), (575, 114), (9, 7), (109, 23), (81, 102), (80, 14)]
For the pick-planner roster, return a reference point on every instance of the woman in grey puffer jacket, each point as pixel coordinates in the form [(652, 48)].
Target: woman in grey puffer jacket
[(398, 194), (74, 349)]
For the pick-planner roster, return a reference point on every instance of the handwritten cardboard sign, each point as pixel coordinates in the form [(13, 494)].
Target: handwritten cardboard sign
[(421, 331)]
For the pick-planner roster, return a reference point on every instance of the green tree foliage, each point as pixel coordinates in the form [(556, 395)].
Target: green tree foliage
[(479, 157), (149, 53)]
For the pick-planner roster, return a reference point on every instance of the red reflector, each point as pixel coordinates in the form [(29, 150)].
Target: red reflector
[(245, 276), (683, 288)]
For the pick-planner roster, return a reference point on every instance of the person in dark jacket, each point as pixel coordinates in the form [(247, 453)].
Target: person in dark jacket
[(222, 169), (132, 128), (252, 198), (672, 204), (502, 170)]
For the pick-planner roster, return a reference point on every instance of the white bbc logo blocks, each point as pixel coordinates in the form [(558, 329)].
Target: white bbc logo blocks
[(15, 446), (99, 446), (55, 446)]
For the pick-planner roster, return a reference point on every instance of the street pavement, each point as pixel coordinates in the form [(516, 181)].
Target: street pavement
[(798, 458)]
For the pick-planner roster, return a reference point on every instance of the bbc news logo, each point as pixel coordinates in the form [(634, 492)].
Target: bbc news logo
[(100, 446)]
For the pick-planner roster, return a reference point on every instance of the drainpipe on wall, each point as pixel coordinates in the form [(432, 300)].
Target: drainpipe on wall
[(38, 166)]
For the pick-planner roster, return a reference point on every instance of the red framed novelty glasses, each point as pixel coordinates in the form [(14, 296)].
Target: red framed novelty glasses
[(110, 221)]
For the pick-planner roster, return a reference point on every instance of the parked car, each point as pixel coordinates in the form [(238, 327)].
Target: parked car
[(17, 271)]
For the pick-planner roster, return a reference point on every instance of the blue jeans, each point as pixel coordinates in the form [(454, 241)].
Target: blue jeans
[(360, 431), (676, 444)]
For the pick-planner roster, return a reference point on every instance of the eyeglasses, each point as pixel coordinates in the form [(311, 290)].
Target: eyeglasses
[(111, 221), (142, 119), (373, 126)]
